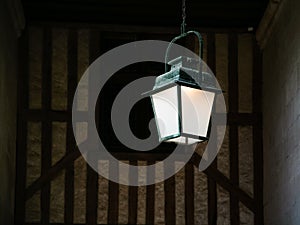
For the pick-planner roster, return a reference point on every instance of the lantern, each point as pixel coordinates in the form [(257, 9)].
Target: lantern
[(183, 98)]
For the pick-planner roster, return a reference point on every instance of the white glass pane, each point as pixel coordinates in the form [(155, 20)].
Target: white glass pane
[(196, 110), (166, 112)]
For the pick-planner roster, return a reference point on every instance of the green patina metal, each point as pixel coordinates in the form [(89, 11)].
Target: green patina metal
[(188, 72)]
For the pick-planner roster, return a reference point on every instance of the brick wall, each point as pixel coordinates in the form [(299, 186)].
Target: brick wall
[(281, 111)]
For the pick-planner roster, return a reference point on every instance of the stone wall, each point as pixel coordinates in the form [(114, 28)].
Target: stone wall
[(281, 111), (8, 107)]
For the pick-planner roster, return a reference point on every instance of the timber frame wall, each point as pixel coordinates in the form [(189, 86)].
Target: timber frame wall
[(46, 116)]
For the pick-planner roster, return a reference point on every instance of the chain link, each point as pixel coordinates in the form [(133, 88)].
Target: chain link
[(183, 24)]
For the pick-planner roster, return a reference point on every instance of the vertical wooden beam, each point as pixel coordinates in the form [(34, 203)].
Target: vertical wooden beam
[(113, 194), (21, 156), (257, 134), (150, 196), (70, 144), (47, 124), (233, 129), (91, 199), (169, 189), (92, 176), (211, 52), (189, 193), (132, 196), (212, 186)]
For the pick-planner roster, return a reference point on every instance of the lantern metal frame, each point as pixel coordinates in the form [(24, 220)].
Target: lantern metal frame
[(185, 72)]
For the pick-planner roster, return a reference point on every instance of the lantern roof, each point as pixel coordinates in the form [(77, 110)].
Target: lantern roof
[(186, 71)]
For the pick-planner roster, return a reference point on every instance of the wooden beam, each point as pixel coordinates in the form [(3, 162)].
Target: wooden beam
[(233, 129), (189, 194), (257, 135), (224, 182), (137, 29), (242, 119), (46, 125), (150, 196), (134, 11), (207, 13), (211, 184), (72, 156), (92, 176), (37, 115), (221, 179), (51, 173), (195, 160), (21, 156), (70, 144), (65, 4), (132, 195), (91, 196), (169, 189), (113, 194)]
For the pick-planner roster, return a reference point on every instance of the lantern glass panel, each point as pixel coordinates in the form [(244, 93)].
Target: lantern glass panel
[(196, 110), (166, 113)]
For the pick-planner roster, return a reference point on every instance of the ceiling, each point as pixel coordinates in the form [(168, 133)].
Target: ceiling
[(200, 13)]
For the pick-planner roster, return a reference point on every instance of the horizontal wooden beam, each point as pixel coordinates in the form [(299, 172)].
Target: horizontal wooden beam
[(207, 13), (59, 224), (162, 7), (35, 115), (139, 29)]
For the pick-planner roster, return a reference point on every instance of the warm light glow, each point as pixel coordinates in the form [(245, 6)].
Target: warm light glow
[(182, 114), (196, 110), (166, 112)]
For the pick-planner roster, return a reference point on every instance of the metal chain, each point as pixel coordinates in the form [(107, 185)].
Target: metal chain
[(183, 24)]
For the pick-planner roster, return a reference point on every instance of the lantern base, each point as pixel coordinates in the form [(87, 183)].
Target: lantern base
[(185, 140)]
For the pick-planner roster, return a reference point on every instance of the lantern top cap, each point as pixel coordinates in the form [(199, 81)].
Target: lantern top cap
[(187, 71)]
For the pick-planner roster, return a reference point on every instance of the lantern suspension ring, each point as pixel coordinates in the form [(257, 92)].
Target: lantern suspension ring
[(200, 41)]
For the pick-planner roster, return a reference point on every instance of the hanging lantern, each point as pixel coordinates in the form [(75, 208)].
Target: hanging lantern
[(183, 98)]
